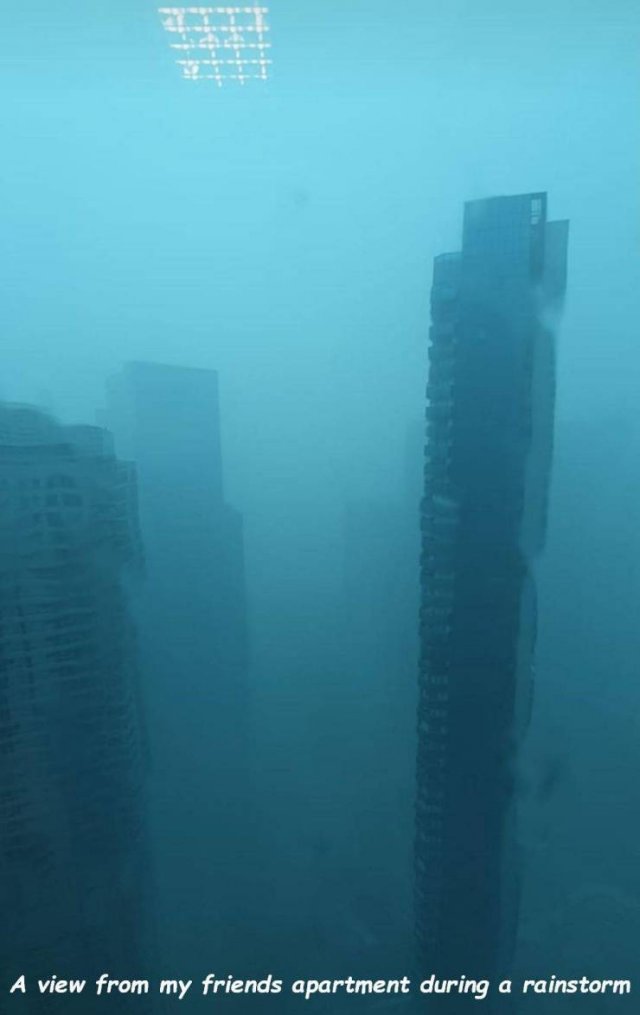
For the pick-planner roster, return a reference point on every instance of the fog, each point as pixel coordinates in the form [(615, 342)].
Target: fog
[(282, 234)]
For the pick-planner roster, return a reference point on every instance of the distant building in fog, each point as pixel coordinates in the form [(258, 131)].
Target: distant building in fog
[(488, 454), (193, 634), (73, 858), (380, 590), (376, 725), (167, 420)]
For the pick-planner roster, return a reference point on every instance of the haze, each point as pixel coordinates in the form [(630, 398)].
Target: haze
[(282, 234)]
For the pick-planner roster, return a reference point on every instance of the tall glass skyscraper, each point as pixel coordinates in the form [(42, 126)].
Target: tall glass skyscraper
[(487, 464)]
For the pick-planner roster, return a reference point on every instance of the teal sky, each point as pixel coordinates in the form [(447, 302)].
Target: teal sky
[(283, 233)]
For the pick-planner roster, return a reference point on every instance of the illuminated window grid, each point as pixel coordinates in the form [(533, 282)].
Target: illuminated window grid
[(219, 43)]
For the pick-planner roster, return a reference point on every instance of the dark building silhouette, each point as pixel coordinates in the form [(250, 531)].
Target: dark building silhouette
[(487, 463), (192, 622), (74, 888)]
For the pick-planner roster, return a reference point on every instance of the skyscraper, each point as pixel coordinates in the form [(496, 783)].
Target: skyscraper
[(73, 856), (192, 622), (167, 420), (488, 454)]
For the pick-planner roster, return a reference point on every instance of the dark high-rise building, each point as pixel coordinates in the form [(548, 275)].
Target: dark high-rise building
[(487, 463), (192, 622), (73, 856)]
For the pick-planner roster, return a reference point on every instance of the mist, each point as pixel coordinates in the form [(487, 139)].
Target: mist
[(282, 234)]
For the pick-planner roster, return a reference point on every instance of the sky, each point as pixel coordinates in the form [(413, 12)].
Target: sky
[(283, 232)]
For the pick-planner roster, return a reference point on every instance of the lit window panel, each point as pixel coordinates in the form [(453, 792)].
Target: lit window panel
[(219, 43)]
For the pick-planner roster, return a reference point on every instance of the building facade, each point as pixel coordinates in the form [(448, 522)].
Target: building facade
[(73, 848), (488, 453)]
